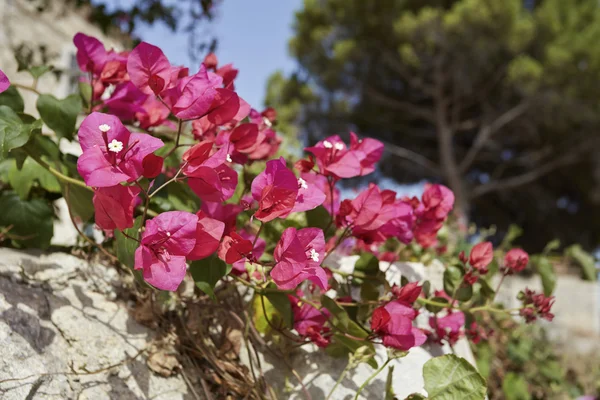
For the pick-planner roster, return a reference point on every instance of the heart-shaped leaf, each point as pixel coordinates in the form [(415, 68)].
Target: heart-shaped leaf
[(60, 115), (14, 133)]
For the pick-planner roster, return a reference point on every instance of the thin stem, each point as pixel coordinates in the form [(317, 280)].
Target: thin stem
[(339, 241), (497, 288), (57, 174), (31, 89), (169, 181), (262, 224), (340, 379), (369, 379), (91, 92), (435, 303), (331, 186), (179, 129), (146, 204)]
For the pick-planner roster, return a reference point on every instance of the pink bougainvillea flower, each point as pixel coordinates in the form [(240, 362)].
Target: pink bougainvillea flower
[(4, 82), (310, 322), (368, 151), (91, 54), (408, 293), (536, 305), (209, 232), (152, 165), (148, 68), (114, 71), (114, 206), (112, 154), (267, 145), (481, 256), (126, 101), (208, 174), (334, 159), (211, 61), (234, 248), (447, 328), (152, 113), (298, 256), (228, 73), (260, 245), (437, 202), (393, 322), (226, 213), (275, 189), (244, 137), (309, 197), (224, 107), (196, 94), (165, 243), (515, 261)]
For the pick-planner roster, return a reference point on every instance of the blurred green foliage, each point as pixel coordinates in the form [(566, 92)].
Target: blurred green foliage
[(499, 97)]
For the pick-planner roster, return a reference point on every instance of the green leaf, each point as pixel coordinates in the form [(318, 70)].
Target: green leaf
[(367, 264), (13, 132), (60, 115), (79, 200), (39, 70), (85, 93), (485, 289), (353, 345), (453, 277), (584, 260), (514, 387), (452, 378), (281, 302), (435, 309), (264, 314), (318, 218), (551, 246), (339, 314), (32, 220), (23, 180), (126, 247), (514, 232), (12, 98), (207, 272), (545, 269), (369, 291)]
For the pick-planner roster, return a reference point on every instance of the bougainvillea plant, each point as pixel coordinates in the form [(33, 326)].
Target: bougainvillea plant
[(186, 179)]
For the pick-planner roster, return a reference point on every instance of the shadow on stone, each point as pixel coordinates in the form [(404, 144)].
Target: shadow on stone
[(29, 328)]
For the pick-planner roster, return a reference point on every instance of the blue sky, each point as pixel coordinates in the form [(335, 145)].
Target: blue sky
[(252, 34)]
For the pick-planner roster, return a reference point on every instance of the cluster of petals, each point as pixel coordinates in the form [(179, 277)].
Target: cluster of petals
[(208, 172), (335, 159), (169, 240), (515, 261), (111, 153), (393, 322), (536, 305), (142, 86), (279, 192), (376, 215), (431, 213), (298, 257), (310, 322)]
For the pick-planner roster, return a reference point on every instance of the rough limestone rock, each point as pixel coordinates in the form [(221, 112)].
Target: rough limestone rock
[(58, 314), (320, 371)]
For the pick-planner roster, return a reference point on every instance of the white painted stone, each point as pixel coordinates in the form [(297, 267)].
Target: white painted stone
[(57, 314)]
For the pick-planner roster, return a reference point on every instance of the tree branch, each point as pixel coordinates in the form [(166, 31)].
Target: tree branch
[(411, 156), (531, 176), (487, 130), (383, 99)]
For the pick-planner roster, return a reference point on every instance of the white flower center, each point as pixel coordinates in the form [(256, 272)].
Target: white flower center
[(168, 234), (104, 128), (108, 92), (228, 158), (115, 146), (267, 122), (339, 146), (302, 183), (327, 144), (314, 255)]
